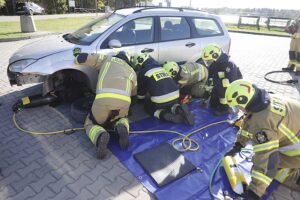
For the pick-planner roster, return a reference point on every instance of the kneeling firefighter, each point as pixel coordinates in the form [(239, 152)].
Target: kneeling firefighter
[(271, 124), (116, 84), (221, 72), (163, 101), (190, 76)]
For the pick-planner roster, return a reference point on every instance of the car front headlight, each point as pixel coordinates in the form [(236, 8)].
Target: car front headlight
[(20, 65)]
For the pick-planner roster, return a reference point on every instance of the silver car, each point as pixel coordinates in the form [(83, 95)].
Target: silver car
[(176, 34)]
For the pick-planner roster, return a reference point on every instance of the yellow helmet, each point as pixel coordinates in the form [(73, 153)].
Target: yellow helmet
[(139, 60), (172, 68), (211, 52), (239, 93)]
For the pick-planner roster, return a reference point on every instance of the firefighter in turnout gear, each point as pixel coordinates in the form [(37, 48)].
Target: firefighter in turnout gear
[(294, 52), (162, 101), (271, 124), (190, 76), (221, 72), (116, 84)]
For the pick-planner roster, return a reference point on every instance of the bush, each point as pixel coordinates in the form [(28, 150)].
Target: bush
[(2, 3)]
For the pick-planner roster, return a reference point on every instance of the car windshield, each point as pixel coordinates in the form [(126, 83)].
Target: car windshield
[(88, 33)]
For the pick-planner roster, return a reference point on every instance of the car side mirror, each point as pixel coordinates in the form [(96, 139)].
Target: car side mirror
[(114, 44)]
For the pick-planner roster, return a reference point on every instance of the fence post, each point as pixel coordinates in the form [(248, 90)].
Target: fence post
[(257, 23), (240, 21), (268, 23)]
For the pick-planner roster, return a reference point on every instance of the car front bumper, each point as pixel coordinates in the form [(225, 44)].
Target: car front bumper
[(16, 78)]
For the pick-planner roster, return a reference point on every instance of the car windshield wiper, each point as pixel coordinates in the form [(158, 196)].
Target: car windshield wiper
[(70, 38)]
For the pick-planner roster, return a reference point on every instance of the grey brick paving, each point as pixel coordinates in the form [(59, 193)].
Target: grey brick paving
[(43, 182), (79, 184), (61, 183), (25, 194), (64, 167), (98, 184), (64, 194), (46, 193)]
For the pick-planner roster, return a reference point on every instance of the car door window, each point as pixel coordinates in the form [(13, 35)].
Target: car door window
[(206, 27), (138, 31), (174, 28)]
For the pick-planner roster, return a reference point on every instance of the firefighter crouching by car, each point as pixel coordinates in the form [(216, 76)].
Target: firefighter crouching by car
[(116, 84), (163, 99), (221, 72), (294, 52), (190, 76), (271, 124)]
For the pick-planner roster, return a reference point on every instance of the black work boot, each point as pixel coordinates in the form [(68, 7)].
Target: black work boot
[(101, 145), (289, 68), (184, 111), (222, 110), (170, 117), (122, 131)]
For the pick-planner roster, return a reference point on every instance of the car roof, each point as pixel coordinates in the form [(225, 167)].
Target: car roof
[(162, 10)]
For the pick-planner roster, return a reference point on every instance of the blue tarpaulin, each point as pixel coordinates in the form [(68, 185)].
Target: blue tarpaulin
[(214, 142)]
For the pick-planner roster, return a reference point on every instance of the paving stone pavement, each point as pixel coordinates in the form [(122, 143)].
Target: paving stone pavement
[(64, 167)]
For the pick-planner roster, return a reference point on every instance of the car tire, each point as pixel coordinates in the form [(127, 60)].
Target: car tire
[(80, 109)]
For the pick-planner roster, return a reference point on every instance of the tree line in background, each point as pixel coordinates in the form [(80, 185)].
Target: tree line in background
[(263, 12), (61, 6)]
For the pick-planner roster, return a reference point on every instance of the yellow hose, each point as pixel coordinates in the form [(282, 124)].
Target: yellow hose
[(186, 141), (185, 138), (43, 133)]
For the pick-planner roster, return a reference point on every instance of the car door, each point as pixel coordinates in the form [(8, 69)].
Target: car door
[(207, 31), (135, 36), (175, 40)]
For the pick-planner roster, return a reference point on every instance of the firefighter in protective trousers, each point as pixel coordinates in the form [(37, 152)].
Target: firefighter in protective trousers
[(163, 93), (190, 76), (271, 124), (294, 53), (116, 84), (221, 72)]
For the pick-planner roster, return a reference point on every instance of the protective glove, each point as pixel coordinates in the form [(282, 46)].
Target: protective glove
[(185, 98), (235, 149), (250, 195), (81, 57)]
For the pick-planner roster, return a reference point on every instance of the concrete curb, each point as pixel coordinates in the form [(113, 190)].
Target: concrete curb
[(255, 33), (26, 37)]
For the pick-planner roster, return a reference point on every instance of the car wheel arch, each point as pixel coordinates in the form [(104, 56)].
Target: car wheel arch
[(55, 79)]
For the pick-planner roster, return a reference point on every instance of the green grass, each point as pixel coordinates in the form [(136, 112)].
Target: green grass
[(13, 29), (263, 29)]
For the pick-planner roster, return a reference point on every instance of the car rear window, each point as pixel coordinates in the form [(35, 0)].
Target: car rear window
[(206, 27)]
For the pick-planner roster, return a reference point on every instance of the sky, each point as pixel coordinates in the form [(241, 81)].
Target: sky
[(277, 4)]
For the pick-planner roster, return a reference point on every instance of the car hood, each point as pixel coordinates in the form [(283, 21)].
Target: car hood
[(42, 48)]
